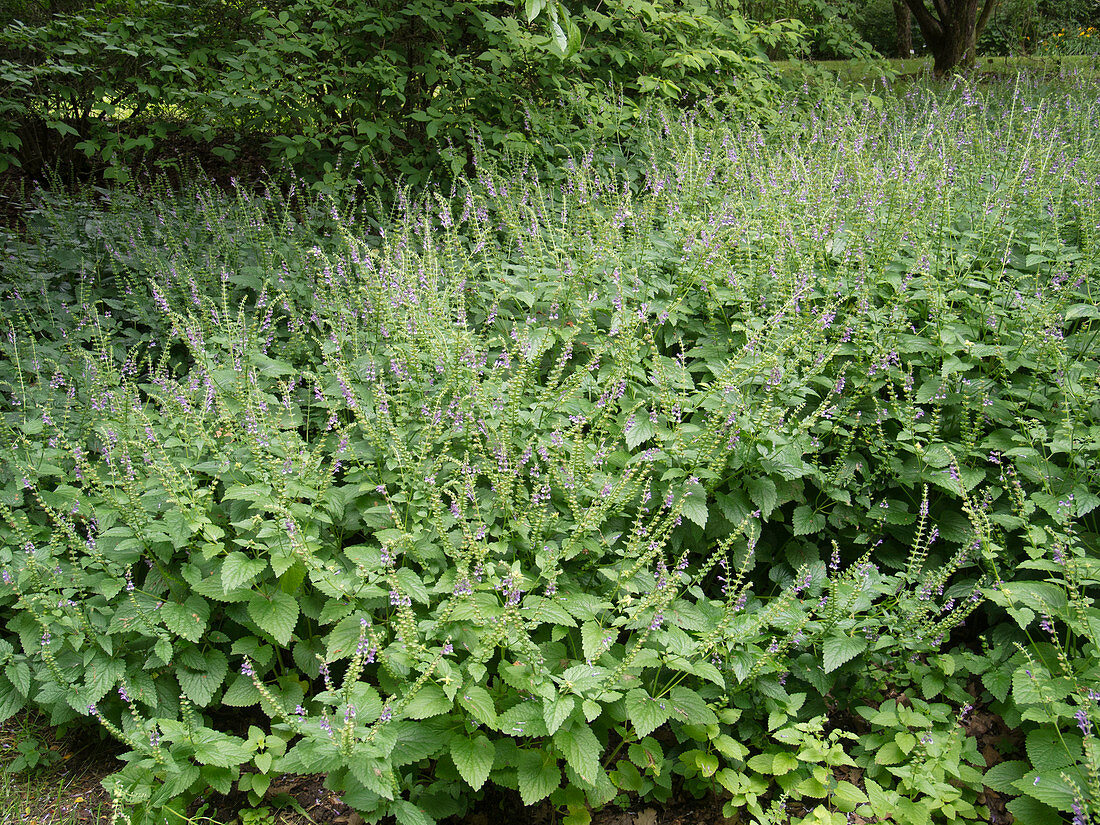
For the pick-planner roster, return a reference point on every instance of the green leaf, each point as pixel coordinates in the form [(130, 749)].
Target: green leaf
[(847, 796), (238, 570), (276, 615), (479, 703), (538, 775), (11, 701), (200, 684), (1051, 789), (473, 758), (188, 619), (215, 748), (640, 432), (406, 813), (1025, 684), (695, 508), (555, 711), (581, 749), (688, 707), (430, 700), (595, 640), (839, 648), (998, 681), (707, 764), (1082, 311), (805, 521), (784, 762), (375, 774), (1033, 812), (1003, 776), (241, 693), (19, 674), (645, 713), (1050, 751), (763, 495)]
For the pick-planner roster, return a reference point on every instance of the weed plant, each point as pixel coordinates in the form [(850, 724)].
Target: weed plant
[(637, 482)]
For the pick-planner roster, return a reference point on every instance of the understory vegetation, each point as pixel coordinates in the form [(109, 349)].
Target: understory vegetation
[(759, 461)]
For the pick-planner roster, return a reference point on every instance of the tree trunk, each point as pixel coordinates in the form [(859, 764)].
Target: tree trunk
[(905, 29), (953, 34)]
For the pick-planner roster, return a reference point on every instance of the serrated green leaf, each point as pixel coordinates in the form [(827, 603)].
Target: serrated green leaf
[(474, 758), (238, 570), (216, 748), (276, 614), (11, 701), (1050, 751), (406, 813), (241, 693), (374, 773), (1033, 812), (19, 674), (847, 796), (641, 431), (645, 713), (581, 749), (1082, 311), (200, 684), (479, 703), (1025, 687), (784, 762), (688, 707), (538, 775), (430, 700), (555, 711), (695, 508), (1051, 789), (998, 681), (595, 640), (839, 648), (1003, 776), (163, 650), (188, 619), (763, 495), (805, 521)]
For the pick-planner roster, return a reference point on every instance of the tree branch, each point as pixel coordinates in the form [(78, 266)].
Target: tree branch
[(926, 21), (987, 12)]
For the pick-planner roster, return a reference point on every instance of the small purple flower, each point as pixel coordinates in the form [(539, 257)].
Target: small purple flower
[(1083, 722), (247, 669), (386, 714)]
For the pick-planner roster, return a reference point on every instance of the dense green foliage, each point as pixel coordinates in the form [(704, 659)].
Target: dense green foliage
[(382, 87), (657, 479), (835, 28)]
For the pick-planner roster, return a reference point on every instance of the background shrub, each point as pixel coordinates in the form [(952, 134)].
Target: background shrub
[(385, 88)]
